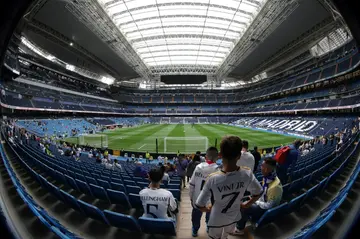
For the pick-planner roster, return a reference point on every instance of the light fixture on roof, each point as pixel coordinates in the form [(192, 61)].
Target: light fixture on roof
[(107, 80), (71, 44)]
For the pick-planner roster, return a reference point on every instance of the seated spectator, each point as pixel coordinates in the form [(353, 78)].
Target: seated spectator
[(246, 159), (271, 196), (166, 175), (117, 166), (140, 171), (157, 201)]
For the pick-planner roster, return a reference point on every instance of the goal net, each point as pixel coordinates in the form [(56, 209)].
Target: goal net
[(185, 144), (94, 140)]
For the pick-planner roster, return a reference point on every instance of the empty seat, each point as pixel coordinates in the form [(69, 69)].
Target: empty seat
[(103, 183), (117, 197), (143, 185), (129, 183), (132, 189), (83, 187), (122, 221), (92, 211), (135, 201), (98, 192), (118, 187), (157, 226), (91, 180), (272, 214), (176, 193), (70, 200), (71, 182), (295, 203)]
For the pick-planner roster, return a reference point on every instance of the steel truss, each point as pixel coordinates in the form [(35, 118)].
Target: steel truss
[(91, 14), (58, 38), (298, 46), (184, 69), (269, 18)]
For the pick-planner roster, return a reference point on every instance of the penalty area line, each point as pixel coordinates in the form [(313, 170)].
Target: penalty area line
[(142, 146)]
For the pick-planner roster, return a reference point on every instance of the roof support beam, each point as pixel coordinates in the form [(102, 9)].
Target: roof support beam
[(91, 14), (268, 19)]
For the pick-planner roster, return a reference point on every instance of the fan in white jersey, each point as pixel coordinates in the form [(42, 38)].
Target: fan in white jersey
[(201, 172), (226, 188), (157, 202)]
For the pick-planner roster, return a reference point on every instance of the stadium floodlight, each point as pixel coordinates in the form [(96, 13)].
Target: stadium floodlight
[(94, 140), (70, 67), (107, 80), (185, 144)]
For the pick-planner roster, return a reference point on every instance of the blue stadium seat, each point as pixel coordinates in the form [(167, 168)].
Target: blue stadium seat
[(272, 214), (135, 201), (71, 182), (322, 185), (70, 200), (103, 183), (129, 183), (80, 177), (55, 191), (295, 203), (116, 180), (98, 192), (117, 197), (154, 226), (92, 211), (122, 221), (143, 185), (296, 185), (176, 193), (133, 189), (83, 187), (311, 192), (91, 180), (118, 187), (173, 186)]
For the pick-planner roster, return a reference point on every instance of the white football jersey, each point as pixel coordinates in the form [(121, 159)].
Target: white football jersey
[(156, 202), (197, 182), (226, 191)]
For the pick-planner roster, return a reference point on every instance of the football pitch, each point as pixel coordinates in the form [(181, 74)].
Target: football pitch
[(185, 138)]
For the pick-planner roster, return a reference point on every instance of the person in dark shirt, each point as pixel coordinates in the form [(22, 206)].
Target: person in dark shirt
[(257, 158), (140, 171)]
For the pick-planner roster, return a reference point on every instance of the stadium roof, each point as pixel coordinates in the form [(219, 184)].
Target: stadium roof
[(168, 33)]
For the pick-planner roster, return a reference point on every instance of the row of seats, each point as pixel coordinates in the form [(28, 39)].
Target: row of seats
[(295, 203), (120, 220)]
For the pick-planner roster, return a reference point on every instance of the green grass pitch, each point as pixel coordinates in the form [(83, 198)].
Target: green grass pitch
[(143, 138)]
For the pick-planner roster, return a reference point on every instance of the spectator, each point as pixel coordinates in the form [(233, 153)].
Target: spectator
[(117, 166), (140, 171), (225, 189), (147, 156), (271, 196), (246, 159), (166, 176), (290, 161), (157, 201), (181, 165), (191, 166), (257, 158)]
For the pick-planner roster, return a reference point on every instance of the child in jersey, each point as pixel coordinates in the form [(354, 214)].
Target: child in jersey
[(226, 188), (201, 172), (157, 201)]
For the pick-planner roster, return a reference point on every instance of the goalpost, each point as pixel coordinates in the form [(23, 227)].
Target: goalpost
[(185, 144), (94, 140)]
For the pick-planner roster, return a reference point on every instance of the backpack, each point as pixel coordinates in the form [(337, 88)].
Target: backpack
[(281, 154)]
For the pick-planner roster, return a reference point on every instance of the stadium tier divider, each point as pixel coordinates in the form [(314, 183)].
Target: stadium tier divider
[(51, 223), (93, 212)]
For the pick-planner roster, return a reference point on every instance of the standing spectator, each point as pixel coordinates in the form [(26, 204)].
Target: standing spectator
[(226, 188), (246, 159), (191, 166), (147, 156), (140, 171), (181, 165), (257, 158), (271, 196), (290, 161), (202, 171)]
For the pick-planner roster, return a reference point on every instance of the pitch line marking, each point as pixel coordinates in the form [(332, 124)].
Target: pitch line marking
[(142, 146)]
